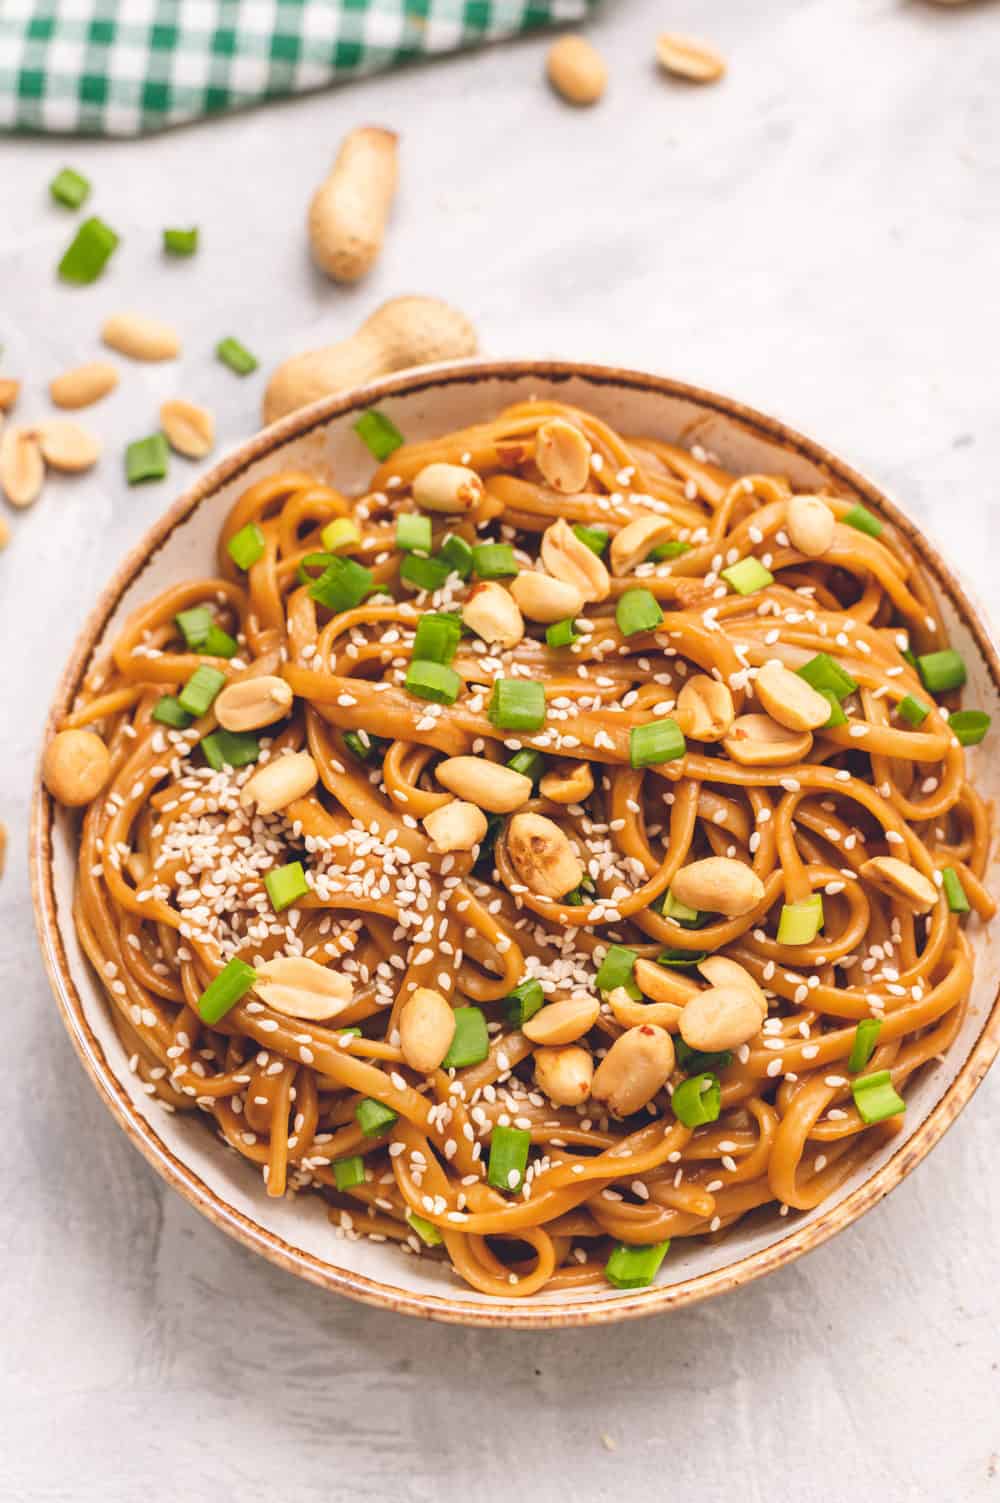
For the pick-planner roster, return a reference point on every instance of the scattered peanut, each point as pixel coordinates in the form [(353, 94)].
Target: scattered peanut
[(899, 880), (348, 212), (637, 1065), (718, 884), (637, 539), (720, 1018), (542, 855), (67, 446), (9, 393), (563, 1022), (567, 783), (426, 1029), (189, 429), (83, 385), (789, 700), (542, 598), (810, 525), (22, 469), (631, 1014), (689, 59), (279, 783), (708, 704), (570, 560), (75, 767), (720, 971), (662, 984), (491, 612), (447, 487), (141, 338), (759, 741), (253, 702), (488, 785), (457, 826), (302, 988), (562, 454), (564, 1074), (405, 332), (577, 70)]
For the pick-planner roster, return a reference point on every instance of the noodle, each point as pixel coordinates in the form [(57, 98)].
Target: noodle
[(172, 866)]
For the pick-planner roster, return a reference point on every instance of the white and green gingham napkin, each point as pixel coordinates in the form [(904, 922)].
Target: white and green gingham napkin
[(121, 67)]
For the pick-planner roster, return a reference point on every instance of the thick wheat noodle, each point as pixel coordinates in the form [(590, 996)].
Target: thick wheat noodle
[(165, 895)]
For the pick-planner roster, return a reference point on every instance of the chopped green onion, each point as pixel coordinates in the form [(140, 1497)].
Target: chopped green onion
[(682, 960), (951, 882), (865, 1038), (969, 726), (800, 923), (437, 637), (697, 1100), (146, 459), (912, 710), (528, 762), (413, 532), (494, 561), (374, 1117), (635, 1267), (596, 538), (824, 672), (673, 908), (508, 1158), (364, 746), (658, 741), (69, 188), (219, 644), (349, 1172), (379, 436), (875, 1097), (457, 554), (285, 885), (425, 1230), (230, 749), (836, 715), (423, 573), (517, 704), (180, 242), (88, 252), (524, 1001), (341, 586), (351, 1033), (636, 611), (616, 968), (168, 710), (863, 520), (340, 533), (471, 1042), (562, 633), (748, 576), (434, 681), (672, 549), (246, 546), (941, 671), (200, 690), (236, 356), (696, 1061), (233, 982), (195, 625)]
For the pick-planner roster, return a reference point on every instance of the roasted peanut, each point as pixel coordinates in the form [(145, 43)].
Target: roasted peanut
[(564, 1074), (718, 884), (302, 988), (488, 785), (277, 784), (720, 1018), (67, 446), (662, 984), (720, 971), (562, 454), (637, 1065), (810, 524), (689, 59), (189, 429), (426, 1029), (447, 487), (456, 826), (253, 702), (899, 880), (542, 856), (789, 700), (759, 741), (491, 612), (22, 469), (565, 557), (141, 338), (542, 598), (9, 393), (563, 1022), (630, 1013), (708, 704), (349, 210), (577, 70), (84, 384), (75, 767), (637, 540), (567, 783)]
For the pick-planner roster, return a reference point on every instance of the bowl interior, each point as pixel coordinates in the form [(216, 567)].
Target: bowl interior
[(296, 1232)]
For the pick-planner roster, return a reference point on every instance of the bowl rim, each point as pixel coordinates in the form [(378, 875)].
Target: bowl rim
[(457, 1309)]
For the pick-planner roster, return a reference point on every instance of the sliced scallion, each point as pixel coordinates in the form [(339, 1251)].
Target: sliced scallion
[(342, 532), (494, 561), (230, 748), (433, 681), (517, 704), (471, 1042), (200, 690), (342, 584), (349, 1172), (374, 1117), (236, 356), (876, 1098), (635, 1267), (88, 252), (437, 637), (524, 1001), (168, 710), (225, 990), (180, 242), (69, 188), (941, 671), (562, 633), (697, 1100), (616, 968), (800, 923), (508, 1158), (596, 538), (748, 576), (637, 611), (824, 672), (246, 546), (428, 1233), (146, 459), (656, 742), (860, 518), (953, 890), (969, 726), (457, 554), (413, 532), (285, 885), (912, 710), (423, 573), (863, 1045), (378, 433)]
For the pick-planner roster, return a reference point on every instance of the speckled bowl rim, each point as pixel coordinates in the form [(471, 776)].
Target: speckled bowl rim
[(456, 1309)]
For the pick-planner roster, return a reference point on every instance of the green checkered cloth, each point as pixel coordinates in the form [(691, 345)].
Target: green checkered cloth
[(122, 67)]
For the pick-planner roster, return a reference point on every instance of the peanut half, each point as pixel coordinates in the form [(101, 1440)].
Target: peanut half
[(253, 702), (279, 783), (576, 70), (810, 524), (630, 1013), (302, 988), (543, 856), (492, 613), (570, 560), (568, 783), (84, 384), (759, 741), (488, 785), (789, 700), (720, 971), (689, 59), (720, 1018), (75, 767), (562, 454), (456, 826), (637, 540), (141, 338), (426, 1029), (22, 469), (67, 446), (349, 210), (564, 1074), (189, 429), (899, 880), (9, 392), (542, 598), (637, 1065), (563, 1022), (718, 884), (449, 488), (708, 704)]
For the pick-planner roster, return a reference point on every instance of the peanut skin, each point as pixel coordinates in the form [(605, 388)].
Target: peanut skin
[(348, 212), (402, 333)]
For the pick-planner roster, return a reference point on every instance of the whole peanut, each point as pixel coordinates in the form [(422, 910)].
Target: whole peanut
[(348, 212)]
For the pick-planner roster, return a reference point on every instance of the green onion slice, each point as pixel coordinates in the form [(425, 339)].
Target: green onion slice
[(508, 1158), (233, 982), (69, 188), (168, 710), (349, 1172), (596, 538), (424, 573), (517, 704), (800, 923), (876, 1098), (863, 1047), (635, 1267), (494, 561), (342, 532), (230, 748), (146, 459), (285, 885), (471, 1043), (433, 681), (616, 968), (637, 611), (969, 726), (341, 586), (246, 546), (413, 532), (562, 633), (824, 673), (180, 242), (428, 1233), (457, 554), (236, 356), (912, 710), (200, 690), (379, 435), (658, 741), (953, 890), (697, 1100), (374, 1117), (748, 576), (528, 762), (88, 252), (863, 520), (524, 1001), (941, 671), (437, 637)]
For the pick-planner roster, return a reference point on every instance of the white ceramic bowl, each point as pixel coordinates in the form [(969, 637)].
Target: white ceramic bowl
[(295, 1233)]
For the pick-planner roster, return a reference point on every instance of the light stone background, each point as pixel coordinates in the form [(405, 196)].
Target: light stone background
[(817, 235)]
